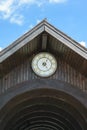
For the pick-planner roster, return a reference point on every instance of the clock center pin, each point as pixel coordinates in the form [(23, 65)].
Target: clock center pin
[(44, 64)]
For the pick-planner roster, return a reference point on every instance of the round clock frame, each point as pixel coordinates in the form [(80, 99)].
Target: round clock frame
[(44, 64)]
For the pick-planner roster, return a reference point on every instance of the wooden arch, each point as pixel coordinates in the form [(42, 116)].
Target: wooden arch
[(43, 105)]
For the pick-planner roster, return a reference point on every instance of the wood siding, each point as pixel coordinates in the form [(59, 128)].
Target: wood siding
[(24, 72)]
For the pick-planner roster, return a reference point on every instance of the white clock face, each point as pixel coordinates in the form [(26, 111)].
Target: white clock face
[(44, 64)]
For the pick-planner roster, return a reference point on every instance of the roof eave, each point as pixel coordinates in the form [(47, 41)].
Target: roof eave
[(21, 42), (73, 45), (41, 27)]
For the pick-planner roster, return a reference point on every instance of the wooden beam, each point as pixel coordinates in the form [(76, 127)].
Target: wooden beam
[(44, 41)]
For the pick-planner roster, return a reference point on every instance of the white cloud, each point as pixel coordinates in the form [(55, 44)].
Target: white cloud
[(11, 9), (27, 1), (38, 21), (5, 8), (83, 43), (57, 1), (31, 26), (0, 48), (18, 19), (30, 2)]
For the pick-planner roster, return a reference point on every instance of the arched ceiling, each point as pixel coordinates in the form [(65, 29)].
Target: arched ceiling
[(40, 105), (44, 113)]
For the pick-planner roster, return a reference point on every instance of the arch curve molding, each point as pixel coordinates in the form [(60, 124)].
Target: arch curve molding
[(43, 104)]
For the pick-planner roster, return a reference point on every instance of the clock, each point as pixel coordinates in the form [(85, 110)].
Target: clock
[(44, 64)]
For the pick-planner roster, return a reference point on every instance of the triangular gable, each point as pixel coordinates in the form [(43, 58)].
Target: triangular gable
[(41, 27)]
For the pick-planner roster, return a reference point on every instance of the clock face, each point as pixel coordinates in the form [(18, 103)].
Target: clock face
[(44, 64)]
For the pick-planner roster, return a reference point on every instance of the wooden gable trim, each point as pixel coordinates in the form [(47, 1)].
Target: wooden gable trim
[(41, 27), (73, 45), (21, 42)]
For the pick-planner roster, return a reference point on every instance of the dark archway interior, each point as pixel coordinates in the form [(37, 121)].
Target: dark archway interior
[(44, 112)]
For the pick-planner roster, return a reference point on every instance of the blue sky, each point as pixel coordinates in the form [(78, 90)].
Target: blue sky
[(19, 16)]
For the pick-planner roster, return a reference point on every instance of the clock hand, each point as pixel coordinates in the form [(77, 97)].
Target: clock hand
[(46, 60), (46, 67)]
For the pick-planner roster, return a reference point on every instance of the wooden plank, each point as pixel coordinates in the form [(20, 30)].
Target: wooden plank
[(24, 72)]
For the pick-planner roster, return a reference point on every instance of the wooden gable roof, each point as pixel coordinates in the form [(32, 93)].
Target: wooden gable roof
[(46, 36)]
